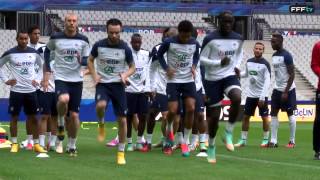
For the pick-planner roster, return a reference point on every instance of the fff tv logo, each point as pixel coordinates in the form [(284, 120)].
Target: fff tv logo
[(301, 9)]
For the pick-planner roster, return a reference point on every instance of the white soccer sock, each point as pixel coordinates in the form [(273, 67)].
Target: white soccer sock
[(292, 124), (48, 134), (121, 147), (186, 138), (73, 143), (14, 140), (194, 138), (36, 141), (212, 141), (266, 135), (274, 129), (30, 138), (69, 143), (42, 139), (117, 138), (143, 140), (229, 127), (149, 138), (60, 120), (202, 138), (53, 140), (139, 140), (129, 140), (180, 137), (244, 135)]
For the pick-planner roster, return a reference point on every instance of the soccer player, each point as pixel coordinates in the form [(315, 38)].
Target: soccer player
[(199, 124), (138, 92), (221, 56), (284, 93), (113, 56), (71, 50), (22, 61), (258, 73), (315, 66), (182, 56), (47, 101), (158, 83)]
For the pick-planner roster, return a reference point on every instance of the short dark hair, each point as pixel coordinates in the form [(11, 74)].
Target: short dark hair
[(32, 28), (277, 35), (259, 43), (114, 22), (223, 13), (185, 26), (136, 35), (22, 31)]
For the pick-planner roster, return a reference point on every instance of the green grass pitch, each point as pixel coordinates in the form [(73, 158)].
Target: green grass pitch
[(95, 161)]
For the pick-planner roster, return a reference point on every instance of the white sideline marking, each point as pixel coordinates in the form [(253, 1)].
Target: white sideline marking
[(269, 162)]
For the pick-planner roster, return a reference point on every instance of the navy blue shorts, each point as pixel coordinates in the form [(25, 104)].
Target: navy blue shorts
[(289, 105), (47, 103), (115, 92), (138, 103), (29, 102), (175, 90), (199, 106), (215, 90), (73, 89), (251, 105), (160, 102)]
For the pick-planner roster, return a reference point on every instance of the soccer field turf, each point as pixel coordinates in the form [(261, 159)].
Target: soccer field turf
[(95, 161)]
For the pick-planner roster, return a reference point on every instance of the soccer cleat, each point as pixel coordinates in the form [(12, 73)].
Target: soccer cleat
[(29, 147), (241, 143), (203, 147), (120, 158), (39, 149), (146, 147), (60, 133), (291, 144), (73, 152), (264, 143), (176, 146), (185, 150), (113, 143), (130, 147), (167, 149), (59, 147), (211, 154), (192, 147), (14, 148), (272, 145), (101, 132), (139, 146), (228, 141)]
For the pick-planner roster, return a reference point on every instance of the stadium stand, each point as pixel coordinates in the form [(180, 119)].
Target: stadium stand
[(133, 18), (290, 21)]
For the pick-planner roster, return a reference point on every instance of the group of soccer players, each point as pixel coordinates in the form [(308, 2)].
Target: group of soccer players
[(178, 78)]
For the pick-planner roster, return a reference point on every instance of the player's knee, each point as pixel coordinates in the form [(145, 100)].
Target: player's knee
[(74, 115), (236, 100), (64, 98), (122, 121), (101, 105), (190, 109)]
